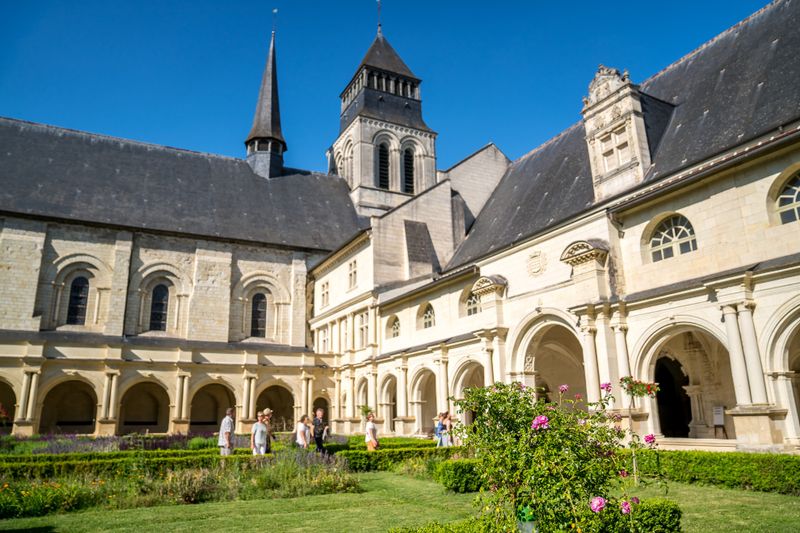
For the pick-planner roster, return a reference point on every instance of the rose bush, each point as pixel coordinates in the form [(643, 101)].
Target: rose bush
[(555, 463)]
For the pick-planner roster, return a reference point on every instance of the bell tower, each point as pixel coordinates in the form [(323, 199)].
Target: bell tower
[(385, 150)]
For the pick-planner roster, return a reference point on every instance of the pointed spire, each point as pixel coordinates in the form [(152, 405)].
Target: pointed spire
[(382, 56), (267, 120)]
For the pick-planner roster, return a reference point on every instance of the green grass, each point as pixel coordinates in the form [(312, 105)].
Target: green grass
[(391, 500)]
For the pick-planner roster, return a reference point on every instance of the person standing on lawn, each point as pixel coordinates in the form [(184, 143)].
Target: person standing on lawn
[(437, 430), (320, 428), (225, 441), (371, 437), (302, 433), (268, 423), (259, 435)]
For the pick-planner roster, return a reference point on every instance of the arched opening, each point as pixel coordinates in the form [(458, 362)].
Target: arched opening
[(281, 401), (8, 401), (320, 403), (554, 357), (208, 408), (69, 407), (144, 409), (794, 368), (383, 166), (693, 370), (424, 402), (362, 396), (674, 407), (387, 405), (408, 170), (470, 377)]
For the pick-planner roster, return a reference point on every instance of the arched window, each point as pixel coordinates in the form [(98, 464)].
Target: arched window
[(428, 317), (383, 166), (78, 298), (159, 305), (789, 201), (394, 329), (672, 236), (258, 317), (473, 304), (408, 171)]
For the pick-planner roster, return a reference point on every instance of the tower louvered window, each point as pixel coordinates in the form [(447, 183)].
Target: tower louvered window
[(78, 298), (408, 171), (258, 320), (159, 305), (383, 166)]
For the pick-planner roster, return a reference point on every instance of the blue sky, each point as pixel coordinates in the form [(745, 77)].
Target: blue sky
[(186, 74)]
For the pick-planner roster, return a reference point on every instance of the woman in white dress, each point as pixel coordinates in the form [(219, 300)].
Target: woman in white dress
[(303, 432)]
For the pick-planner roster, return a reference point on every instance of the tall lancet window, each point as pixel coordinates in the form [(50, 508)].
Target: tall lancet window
[(78, 298), (383, 166), (159, 305), (408, 171), (258, 320)]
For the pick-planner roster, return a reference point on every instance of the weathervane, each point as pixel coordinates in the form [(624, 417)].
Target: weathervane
[(379, 15), (274, 18)]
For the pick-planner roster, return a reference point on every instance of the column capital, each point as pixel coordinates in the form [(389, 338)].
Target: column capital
[(746, 305), (588, 330), (620, 326), (728, 309)]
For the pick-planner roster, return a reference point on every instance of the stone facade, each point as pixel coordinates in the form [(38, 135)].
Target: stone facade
[(681, 269)]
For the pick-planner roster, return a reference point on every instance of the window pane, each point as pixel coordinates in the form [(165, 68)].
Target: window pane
[(258, 319), (788, 216), (408, 171), (667, 252), (78, 298), (158, 308), (383, 166)]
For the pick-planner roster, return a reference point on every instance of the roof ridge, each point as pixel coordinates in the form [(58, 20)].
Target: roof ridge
[(112, 138), (711, 41)]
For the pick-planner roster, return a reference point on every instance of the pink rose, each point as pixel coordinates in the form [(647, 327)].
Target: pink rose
[(540, 422), (563, 388), (578, 397), (635, 500), (598, 504), (625, 507), (605, 386), (650, 438), (623, 473)]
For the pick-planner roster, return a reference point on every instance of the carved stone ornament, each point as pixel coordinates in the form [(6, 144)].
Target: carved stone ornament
[(486, 285), (537, 262), (580, 252), (606, 81)]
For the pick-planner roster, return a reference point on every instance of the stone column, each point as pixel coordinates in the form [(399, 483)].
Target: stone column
[(752, 356), (245, 414), (736, 354), (252, 404), (336, 413), (498, 353), (310, 398), (178, 397), (695, 393), (351, 395), (442, 391), (402, 392), (590, 365), (29, 414), (106, 398), (114, 396), (372, 390), (186, 408), (304, 396), (623, 363), (22, 414)]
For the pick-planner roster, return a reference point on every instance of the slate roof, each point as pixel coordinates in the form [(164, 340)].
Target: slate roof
[(267, 119), (740, 85), (76, 176), (382, 56)]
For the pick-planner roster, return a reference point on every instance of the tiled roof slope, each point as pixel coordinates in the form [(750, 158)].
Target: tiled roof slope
[(740, 85), (64, 174)]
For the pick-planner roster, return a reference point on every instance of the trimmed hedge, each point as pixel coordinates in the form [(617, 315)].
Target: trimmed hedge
[(765, 472), (93, 456), (358, 442), (385, 459), (459, 475), (656, 516), (115, 467)]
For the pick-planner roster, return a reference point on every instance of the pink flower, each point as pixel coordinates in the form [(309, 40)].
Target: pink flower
[(650, 438), (623, 473), (578, 397), (540, 422), (625, 507), (582, 422), (551, 407), (605, 386), (635, 500), (563, 388), (616, 417), (598, 504)]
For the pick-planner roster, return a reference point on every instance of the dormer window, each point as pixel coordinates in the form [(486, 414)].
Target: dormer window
[(615, 149)]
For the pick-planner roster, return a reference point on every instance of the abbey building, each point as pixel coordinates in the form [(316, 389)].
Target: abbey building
[(148, 288)]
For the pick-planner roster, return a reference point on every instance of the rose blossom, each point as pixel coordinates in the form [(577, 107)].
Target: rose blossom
[(616, 417), (540, 422), (598, 504), (563, 388), (650, 438), (578, 397), (635, 499), (625, 507), (623, 473), (605, 386)]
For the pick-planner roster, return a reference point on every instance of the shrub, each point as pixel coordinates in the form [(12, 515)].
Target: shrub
[(365, 461), (201, 443), (191, 486), (38, 499), (357, 441), (460, 475)]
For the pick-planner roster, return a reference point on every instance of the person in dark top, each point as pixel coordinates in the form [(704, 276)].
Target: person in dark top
[(320, 429)]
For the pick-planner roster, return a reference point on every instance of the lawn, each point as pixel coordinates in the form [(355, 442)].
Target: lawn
[(392, 500)]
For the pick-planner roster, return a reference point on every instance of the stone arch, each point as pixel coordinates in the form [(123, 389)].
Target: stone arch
[(698, 350), (143, 283), (144, 408), (209, 400), (69, 406), (279, 397), (783, 362), (362, 395), (522, 335), (387, 401), (72, 266), (277, 300), (469, 374), (421, 315), (464, 303), (8, 402), (424, 399), (774, 191), (390, 325)]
